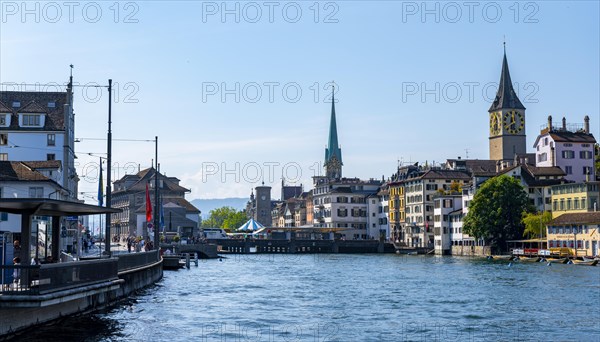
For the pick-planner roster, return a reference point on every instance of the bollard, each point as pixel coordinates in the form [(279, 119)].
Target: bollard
[(196, 258), (187, 260)]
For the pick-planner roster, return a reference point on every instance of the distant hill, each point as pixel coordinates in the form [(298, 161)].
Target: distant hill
[(206, 205)]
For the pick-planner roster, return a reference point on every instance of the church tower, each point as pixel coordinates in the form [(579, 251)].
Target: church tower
[(333, 152), (507, 120)]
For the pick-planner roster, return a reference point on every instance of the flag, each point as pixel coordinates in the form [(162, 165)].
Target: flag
[(148, 205), (100, 187)]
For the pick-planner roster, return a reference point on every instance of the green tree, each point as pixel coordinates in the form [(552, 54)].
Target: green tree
[(234, 221), (496, 212), (224, 217), (597, 148), (536, 223)]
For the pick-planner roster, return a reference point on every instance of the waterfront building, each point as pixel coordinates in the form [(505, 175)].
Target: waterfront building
[(570, 147), (383, 219), (507, 121), (40, 126), (397, 213), (129, 195), (38, 179), (342, 203), (419, 191), (537, 182), (575, 198), (259, 207), (446, 213), (576, 230)]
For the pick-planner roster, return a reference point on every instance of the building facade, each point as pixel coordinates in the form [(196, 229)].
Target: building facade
[(575, 198), (40, 126), (570, 147), (129, 195)]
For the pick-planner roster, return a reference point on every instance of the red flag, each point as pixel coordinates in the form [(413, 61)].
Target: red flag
[(148, 205)]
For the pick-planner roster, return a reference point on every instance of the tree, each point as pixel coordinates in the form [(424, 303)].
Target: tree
[(496, 212), (597, 148), (536, 223), (224, 217)]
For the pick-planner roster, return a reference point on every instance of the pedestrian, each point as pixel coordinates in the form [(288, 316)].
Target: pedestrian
[(16, 273)]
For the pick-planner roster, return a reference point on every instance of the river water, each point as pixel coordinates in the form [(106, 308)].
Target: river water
[(336, 297)]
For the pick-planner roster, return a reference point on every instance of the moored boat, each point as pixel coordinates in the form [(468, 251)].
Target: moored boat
[(585, 262), (526, 259), (501, 257), (557, 261)]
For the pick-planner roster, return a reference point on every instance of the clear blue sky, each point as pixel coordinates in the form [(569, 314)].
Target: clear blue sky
[(168, 62)]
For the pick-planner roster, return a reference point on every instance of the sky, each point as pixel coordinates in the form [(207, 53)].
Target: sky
[(239, 92)]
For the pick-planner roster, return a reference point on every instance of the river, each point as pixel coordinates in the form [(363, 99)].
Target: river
[(337, 297)]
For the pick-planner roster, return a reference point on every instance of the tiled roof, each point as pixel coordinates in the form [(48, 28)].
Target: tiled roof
[(577, 218), (15, 171), (445, 174), (566, 136), (43, 164), (147, 175), (34, 102)]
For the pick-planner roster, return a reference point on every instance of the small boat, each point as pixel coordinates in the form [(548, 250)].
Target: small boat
[(557, 261), (501, 257), (585, 258), (585, 262), (526, 259)]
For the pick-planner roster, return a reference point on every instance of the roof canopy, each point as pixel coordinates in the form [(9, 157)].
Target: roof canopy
[(51, 207), (250, 226)]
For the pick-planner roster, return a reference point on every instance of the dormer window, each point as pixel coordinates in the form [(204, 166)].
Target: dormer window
[(52, 104), (16, 104), (31, 120)]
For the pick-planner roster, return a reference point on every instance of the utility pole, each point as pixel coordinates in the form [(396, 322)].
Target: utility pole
[(108, 170), (156, 205)]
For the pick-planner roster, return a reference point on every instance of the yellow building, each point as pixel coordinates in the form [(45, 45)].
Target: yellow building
[(575, 198), (575, 229), (397, 210)]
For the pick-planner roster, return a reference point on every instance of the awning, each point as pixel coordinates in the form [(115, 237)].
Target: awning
[(51, 207)]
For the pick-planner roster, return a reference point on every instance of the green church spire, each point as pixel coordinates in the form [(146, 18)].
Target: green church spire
[(333, 153)]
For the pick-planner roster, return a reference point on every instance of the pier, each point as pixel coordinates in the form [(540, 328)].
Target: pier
[(244, 246), (36, 294)]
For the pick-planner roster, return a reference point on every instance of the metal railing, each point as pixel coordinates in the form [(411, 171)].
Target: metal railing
[(135, 260), (46, 278)]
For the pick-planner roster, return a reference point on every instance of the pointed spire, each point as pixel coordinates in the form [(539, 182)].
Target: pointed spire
[(506, 97), (333, 147)]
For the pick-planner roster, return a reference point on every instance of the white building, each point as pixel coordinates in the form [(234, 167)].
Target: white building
[(342, 203), (28, 180), (444, 207), (570, 147), (39, 126)]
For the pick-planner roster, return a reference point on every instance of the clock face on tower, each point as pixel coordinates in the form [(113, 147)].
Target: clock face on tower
[(263, 197), (495, 124), (513, 122)]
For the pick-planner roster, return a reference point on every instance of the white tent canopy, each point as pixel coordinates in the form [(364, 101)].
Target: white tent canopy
[(250, 226)]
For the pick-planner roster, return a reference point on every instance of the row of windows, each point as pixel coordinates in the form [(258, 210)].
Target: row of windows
[(50, 139), (573, 204), (568, 230), (570, 154), (567, 243)]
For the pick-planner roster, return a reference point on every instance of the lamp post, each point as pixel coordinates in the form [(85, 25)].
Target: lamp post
[(156, 204), (108, 170)]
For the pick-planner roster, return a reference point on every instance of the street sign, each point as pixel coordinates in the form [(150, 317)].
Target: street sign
[(72, 218), (150, 225)]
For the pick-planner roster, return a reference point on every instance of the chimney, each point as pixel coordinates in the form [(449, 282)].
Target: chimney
[(564, 124), (550, 123), (586, 124)]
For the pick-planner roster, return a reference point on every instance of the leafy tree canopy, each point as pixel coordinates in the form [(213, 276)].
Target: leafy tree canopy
[(496, 212), (535, 223), (224, 217)]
